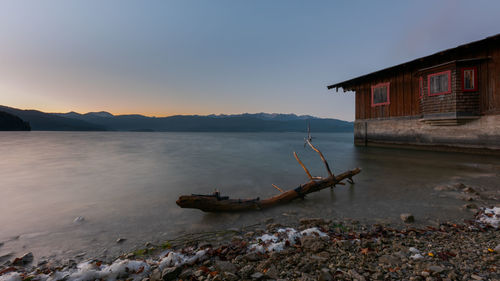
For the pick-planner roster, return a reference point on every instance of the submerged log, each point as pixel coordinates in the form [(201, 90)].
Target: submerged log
[(215, 203)]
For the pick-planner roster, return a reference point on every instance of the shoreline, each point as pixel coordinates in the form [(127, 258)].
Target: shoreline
[(313, 249)]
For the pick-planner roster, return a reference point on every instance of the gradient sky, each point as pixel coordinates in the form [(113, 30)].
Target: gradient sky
[(200, 57)]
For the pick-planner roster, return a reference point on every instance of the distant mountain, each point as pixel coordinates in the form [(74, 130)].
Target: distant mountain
[(49, 122), (246, 122), (10, 122)]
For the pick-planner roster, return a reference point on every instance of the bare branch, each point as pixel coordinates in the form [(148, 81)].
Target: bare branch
[(321, 156), (303, 166), (275, 186)]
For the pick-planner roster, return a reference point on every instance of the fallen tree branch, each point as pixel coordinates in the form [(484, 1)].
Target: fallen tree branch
[(209, 203), (216, 203)]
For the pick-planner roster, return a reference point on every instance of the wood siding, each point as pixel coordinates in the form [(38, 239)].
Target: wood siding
[(404, 86)]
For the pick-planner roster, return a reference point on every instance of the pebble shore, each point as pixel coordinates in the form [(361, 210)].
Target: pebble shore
[(310, 249)]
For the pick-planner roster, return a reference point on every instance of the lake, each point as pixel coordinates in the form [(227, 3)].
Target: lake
[(124, 185)]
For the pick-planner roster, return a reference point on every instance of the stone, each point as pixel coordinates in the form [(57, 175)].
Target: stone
[(120, 240), (325, 276), (435, 268), (230, 276), (170, 273), (476, 277), (469, 190), (443, 188), (313, 221), (355, 275), (186, 274), (470, 206), (312, 243), (155, 275), (246, 270), (497, 248), (79, 219), (23, 260), (407, 217), (388, 259), (225, 266), (272, 272), (252, 257), (257, 276)]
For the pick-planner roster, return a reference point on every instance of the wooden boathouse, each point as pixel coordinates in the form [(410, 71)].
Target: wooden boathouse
[(447, 100)]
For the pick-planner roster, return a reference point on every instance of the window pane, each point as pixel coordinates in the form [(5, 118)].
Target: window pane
[(439, 83), (469, 79), (380, 95)]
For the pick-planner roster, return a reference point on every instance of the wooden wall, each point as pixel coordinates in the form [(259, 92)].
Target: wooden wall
[(404, 97), (404, 91)]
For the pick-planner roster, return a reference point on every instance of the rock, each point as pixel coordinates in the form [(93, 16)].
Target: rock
[(476, 277), (355, 275), (459, 186), (443, 188), (257, 276), (497, 248), (469, 190), (79, 219), (170, 273), (186, 274), (23, 260), (313, 221), (388, 259), (155, 275), (246, 270), (252, 257), (416, 257), (230, 276), (425, 274), (272, 272), (312, 243), (325, 275), (225, 266), (435, 268), (407, 217), (470, 206), (120, 240)]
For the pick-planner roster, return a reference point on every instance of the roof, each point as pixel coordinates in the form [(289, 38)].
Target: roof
[(353, 81)]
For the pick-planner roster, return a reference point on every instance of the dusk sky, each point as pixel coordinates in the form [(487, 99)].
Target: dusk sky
[(162, 58)]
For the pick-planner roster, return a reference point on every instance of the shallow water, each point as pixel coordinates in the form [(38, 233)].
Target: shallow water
[(124, 184)]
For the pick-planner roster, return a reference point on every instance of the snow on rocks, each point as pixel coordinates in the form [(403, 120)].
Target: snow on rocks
[(490, 217), (12, 276), (282, 238)]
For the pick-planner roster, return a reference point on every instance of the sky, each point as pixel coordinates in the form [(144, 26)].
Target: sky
[(162, 58)]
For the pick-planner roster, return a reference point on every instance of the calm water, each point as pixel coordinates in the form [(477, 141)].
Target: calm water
[(125, 184)]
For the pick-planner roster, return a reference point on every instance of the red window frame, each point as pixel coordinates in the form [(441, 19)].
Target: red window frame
[(474, 68), (379, 85), (436, 74), (421, 86)]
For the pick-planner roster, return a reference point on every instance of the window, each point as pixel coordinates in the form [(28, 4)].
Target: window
[(380, 94), (421, 86), (469, 79), (439, 83)]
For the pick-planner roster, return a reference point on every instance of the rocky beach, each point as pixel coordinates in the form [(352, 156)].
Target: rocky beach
[(310, 249)]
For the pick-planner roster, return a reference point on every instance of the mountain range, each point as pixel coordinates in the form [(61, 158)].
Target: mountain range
[(246, 122)]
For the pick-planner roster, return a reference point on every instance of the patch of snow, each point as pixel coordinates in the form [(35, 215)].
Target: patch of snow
[(12, 276), (282, 238), (414, 250), (416, 257), (490, 217)]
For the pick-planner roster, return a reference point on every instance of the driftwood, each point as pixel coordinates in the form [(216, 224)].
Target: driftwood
[(216, 203)]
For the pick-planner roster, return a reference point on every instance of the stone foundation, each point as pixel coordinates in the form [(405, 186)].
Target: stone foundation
[(474, 135)]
